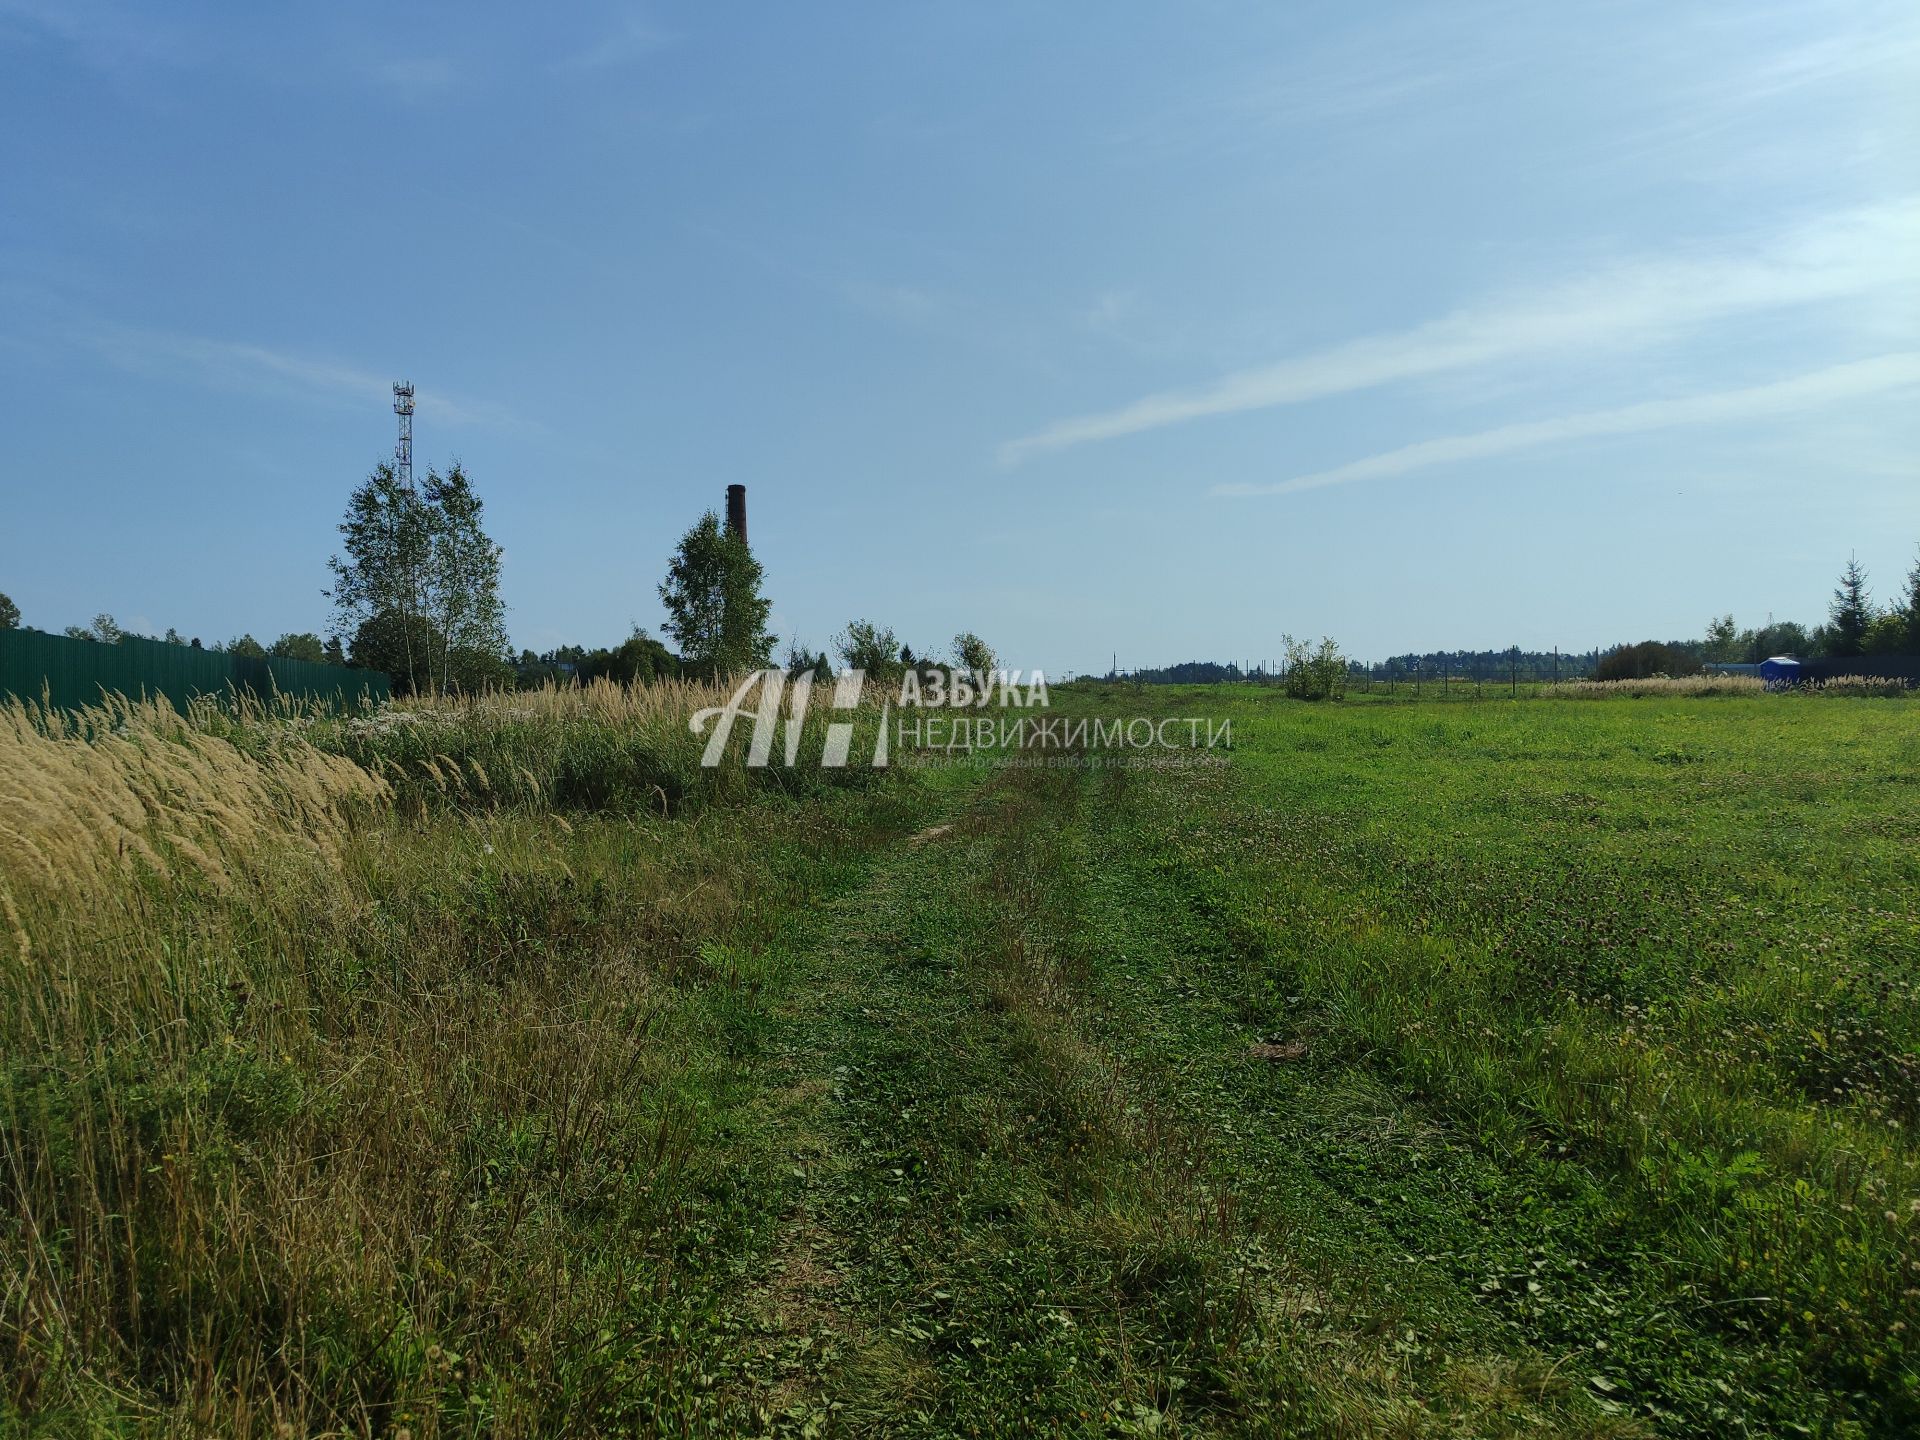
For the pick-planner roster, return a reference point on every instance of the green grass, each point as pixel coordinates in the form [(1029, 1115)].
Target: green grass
[(1627, 992), (1444, 1068)]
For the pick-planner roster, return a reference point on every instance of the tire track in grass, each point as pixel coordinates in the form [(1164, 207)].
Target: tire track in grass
[(1003, 1226), (1462, 1245), (1369, 1185)]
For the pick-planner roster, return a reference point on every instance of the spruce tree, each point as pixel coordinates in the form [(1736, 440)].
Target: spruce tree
[(1851, 613)]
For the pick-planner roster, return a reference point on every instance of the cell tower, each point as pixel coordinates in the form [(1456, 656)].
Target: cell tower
[(403, 447)]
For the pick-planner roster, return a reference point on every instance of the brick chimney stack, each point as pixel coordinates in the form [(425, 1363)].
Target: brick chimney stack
[(737, 511)]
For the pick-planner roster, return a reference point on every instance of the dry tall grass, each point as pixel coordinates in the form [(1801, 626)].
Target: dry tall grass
[(610, 703), (326, 1113), (133, 784), (1664, 686), (1656, 686), (602, 747), (1872, 685)]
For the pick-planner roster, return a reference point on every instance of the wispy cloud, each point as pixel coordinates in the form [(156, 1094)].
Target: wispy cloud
[(1369, 74), (1631, 305), (636, 38), (1821, 387), (903, 304), (230, 364), (1776, 93), (101, 33)]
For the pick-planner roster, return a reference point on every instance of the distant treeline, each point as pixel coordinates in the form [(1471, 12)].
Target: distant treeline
[(1485, 665), (1466, 665), (1856, 629), (1189, 672)]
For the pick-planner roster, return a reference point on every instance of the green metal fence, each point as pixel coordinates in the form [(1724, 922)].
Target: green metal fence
[(71, 673)]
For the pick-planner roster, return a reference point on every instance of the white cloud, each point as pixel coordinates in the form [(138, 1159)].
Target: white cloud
[(1633, 305), (1821, 387)]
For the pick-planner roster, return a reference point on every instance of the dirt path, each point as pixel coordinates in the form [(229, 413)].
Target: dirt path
[(1006, 1220)]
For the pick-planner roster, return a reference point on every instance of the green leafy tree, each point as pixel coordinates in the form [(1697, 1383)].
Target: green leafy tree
[(715, 611), (1886, 634), (472, 671), (1315, 672), (463, 583), (869, 647), (335, 653), (1723, 640), (299, 647), (638, 660), (9, 614), (970, 652), (1850, 613), (377, 584), (1648, 658), (420, 568), (1778, 637), (247, 648), (390, 641), (104, 629)]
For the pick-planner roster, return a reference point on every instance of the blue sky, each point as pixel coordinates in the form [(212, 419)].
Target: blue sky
[(1093, 328)]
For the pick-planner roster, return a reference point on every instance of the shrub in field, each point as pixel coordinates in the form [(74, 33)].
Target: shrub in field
[(1315, 673), (1646, 661)]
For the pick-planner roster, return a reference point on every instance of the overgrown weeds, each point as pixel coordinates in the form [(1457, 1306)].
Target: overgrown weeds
[(338, 1100)]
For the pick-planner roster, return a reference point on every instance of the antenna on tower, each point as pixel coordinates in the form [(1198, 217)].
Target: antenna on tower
[(403, 447)]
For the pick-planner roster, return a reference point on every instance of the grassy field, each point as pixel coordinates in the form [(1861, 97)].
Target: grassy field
[(1477, 1068)]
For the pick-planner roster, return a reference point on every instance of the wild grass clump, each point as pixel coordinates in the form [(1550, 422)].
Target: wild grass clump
[(598, 747), (131, 785), (1877, 686)]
